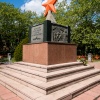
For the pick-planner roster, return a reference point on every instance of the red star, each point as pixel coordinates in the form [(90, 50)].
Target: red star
[(49, 5)]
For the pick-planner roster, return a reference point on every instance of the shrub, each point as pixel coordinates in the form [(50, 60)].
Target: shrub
[(84, 61), (3, 59), (18, 50)]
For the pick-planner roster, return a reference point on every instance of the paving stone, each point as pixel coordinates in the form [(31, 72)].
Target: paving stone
[(96, 89), (4, 90), (91, 93), (86, 97), (8, 96), (98, 99)]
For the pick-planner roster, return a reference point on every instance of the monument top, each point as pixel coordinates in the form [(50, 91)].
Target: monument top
[(49, 5)]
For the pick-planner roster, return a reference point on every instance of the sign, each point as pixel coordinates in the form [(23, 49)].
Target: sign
[(37, 34)]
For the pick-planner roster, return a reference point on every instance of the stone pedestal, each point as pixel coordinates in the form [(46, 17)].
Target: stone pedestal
[(49, 53)]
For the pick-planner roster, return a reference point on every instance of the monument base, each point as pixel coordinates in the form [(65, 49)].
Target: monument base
[(49, 53)]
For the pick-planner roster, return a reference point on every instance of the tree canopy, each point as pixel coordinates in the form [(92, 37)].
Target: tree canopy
[(13, 26), (85, 15), (84, 18)]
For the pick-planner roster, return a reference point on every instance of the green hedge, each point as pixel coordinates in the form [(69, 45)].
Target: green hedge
[(18, 50)]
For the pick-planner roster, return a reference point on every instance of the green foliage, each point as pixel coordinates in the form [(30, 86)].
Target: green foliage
[(60, 16), (18, 50), (37, 19), (14, 26), (84, 61), (3, 59), (84, 18)]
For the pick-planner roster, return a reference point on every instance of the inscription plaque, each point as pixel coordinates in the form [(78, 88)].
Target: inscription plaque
[(37, 34)]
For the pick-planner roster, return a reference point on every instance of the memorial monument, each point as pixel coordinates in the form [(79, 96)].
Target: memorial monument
[(49, 70), (49, 42)]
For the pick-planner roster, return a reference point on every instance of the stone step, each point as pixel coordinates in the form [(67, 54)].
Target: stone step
[(71, 91), (21, 90), (48, 68), (49, 87), (66, 93), (48, 76)]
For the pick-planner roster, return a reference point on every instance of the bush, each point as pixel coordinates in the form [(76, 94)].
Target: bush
[(3, 59), (18, 50), (84, 61)]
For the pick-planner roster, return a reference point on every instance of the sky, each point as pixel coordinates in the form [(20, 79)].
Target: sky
[(32, 5)]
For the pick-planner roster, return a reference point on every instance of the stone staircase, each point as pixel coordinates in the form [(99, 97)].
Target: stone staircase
[(49, 82)]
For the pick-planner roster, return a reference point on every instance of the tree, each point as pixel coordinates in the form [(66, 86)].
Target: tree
[(62, 9), (14, 26), (84, 17), (37, 19)]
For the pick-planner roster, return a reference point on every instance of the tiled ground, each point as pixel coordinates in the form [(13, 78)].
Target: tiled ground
[(92, 94), (6, 94)]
